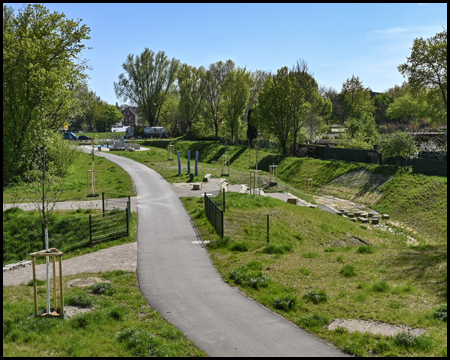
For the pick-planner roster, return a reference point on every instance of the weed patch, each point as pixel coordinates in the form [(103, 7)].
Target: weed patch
[(286, 303), (246, 277), (103, 288), (313, 320), (240, 247), (382, 287), (315, 297), (81, 299), (310, 255), (277, 249), (365, 249), (348, 271), (441, 313)]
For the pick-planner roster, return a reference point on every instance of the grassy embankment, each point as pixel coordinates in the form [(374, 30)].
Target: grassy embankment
[(114, 182), (313, 255)]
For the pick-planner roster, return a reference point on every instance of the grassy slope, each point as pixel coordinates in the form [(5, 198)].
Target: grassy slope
[(114, 182)]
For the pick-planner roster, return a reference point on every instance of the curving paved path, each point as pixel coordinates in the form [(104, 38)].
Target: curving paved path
[(178, 279)]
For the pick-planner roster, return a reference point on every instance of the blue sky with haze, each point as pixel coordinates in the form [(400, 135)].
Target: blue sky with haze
[(336, 40)]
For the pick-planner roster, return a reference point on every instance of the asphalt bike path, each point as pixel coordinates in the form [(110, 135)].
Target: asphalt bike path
[(179, 280)]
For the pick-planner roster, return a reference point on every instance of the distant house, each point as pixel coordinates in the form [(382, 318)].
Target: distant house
[(373, 93), (131, 116)]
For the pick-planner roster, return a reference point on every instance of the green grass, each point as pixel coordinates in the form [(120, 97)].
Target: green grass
[(23, 234), (119, 324), (114, 182), (414, 277)]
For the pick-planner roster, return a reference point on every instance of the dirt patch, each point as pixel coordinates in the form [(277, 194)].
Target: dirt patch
[(373, 327), (85, 282), (71, 311)]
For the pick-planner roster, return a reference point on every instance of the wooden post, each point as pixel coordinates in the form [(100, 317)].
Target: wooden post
[(61, 289), (34, 287), (55, 304)]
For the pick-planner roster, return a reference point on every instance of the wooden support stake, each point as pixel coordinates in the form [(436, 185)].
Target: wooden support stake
[(61, 285)]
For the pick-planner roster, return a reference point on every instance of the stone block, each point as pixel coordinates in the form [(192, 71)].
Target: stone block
[(363, 219), (196, 187), (385, 216), (292, 200), (375, 220)]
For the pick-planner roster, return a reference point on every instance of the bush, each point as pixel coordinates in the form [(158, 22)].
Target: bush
[(348, 271), (242, 247), (286, 303), (82, 300), (441, 313), (277, 249), (313, 320), (365, 249), (245, 277), (315, 297), (103, 288), (382, 286)]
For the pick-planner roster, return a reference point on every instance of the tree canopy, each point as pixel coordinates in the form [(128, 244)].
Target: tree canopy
[(40, 78), (146, 82)]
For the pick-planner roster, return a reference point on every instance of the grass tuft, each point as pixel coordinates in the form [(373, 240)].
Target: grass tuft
[(82, 300), (365, 249), (248, 278), (348, 271), (286, 303), (315, 297), (240, 247), (441, 313), (382, 286), (277, 249), (313, 320)]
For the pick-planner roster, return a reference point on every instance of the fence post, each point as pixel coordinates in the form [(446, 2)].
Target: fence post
[(223, 199), (103, 204), (128, 218), (90, 229), (267, 228), (221, 213)]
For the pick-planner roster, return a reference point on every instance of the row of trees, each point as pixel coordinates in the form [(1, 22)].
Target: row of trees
[(289, 106)]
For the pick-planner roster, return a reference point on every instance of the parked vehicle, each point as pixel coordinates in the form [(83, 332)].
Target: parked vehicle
[(129, 133), (84, 137), (70, 136), (119, 129), (154, 132)]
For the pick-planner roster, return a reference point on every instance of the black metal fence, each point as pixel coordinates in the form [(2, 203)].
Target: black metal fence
[(214, 215), (78, 232)]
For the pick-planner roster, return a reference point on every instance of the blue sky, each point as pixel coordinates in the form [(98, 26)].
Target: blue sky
[(336, 40)]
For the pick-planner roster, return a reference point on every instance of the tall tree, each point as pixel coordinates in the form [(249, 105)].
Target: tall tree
[(273, 110), (214, 79), (40, 77), (381, 103), (236, 91), (146, 82), (356, 97), (427, 66), (258, 78), (191, 85)]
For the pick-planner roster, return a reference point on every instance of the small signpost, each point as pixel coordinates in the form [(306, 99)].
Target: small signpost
[(196, 163), (189, 161)]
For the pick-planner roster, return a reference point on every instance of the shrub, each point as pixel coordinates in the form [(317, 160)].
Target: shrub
[(313, 320), (315, 297), (340, 258), (310, 255), (245, 277), (242, 247), (441, 313), (348, 271), (286, 303), (365, 249), (277, 249), (382, 286), (103, 288), (82, 300)]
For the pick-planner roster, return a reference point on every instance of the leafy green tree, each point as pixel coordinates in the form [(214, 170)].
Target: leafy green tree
[(214, 79), (398, 144), (258, 78), (40, 78), (426, 68), (356, 97), (361, 133), (146, 82), (191, 85), (407, 110), (236, 92), (381, 103), (273, 110)]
